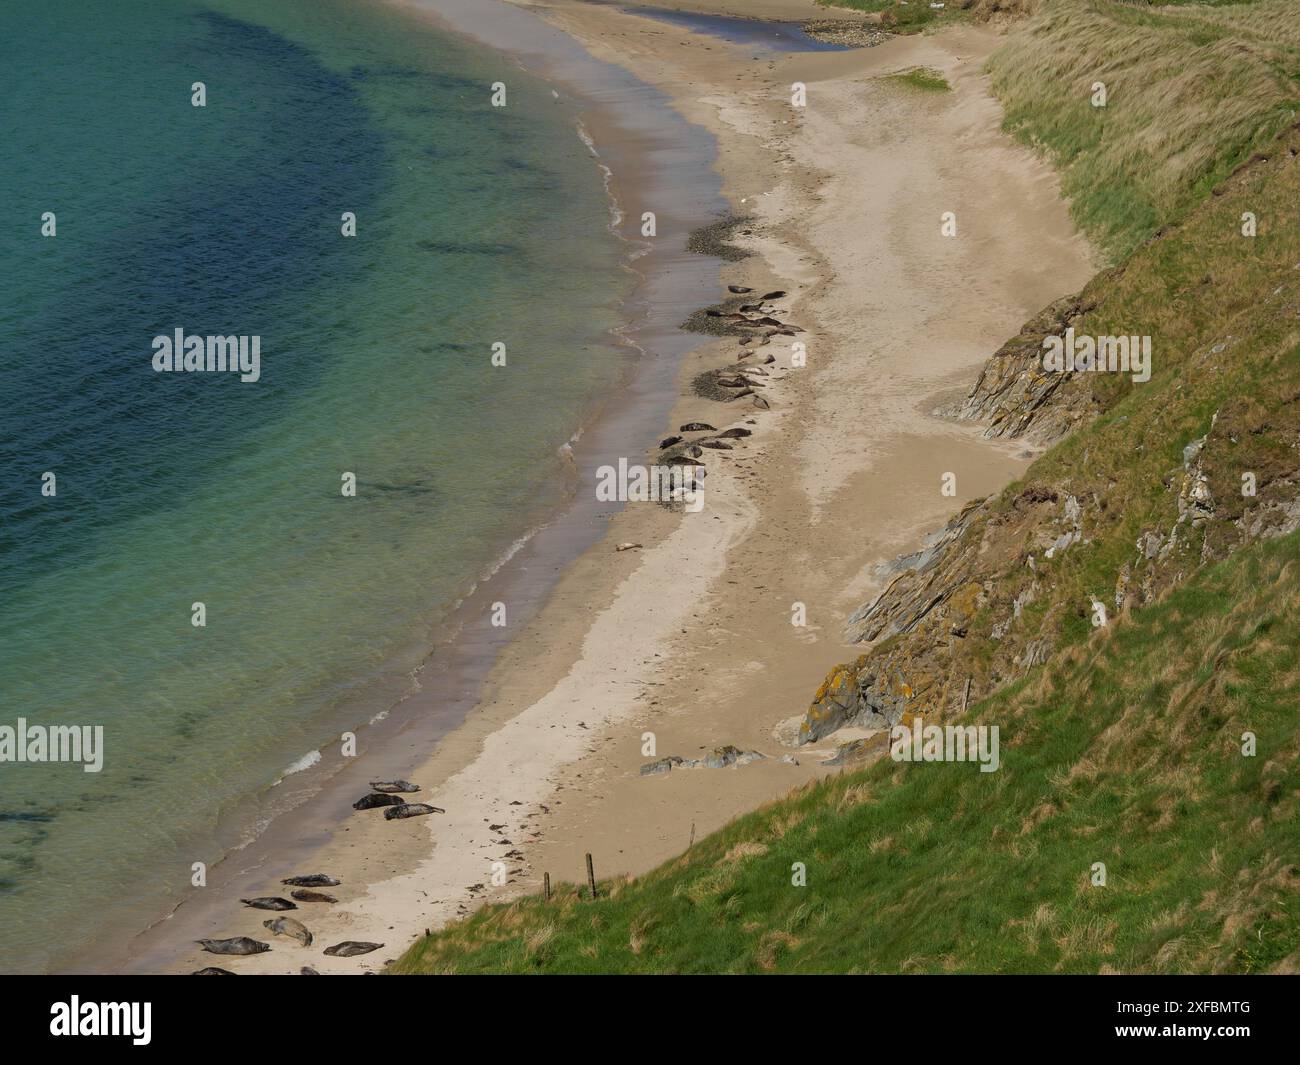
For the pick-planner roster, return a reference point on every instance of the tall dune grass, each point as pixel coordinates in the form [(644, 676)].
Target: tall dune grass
[(1192, 91)]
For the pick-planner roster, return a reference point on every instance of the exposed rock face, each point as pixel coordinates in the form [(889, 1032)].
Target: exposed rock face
[(1015, 397), (924, 583), (925, 615)]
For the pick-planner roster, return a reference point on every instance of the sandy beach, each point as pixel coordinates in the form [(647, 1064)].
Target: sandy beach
[(689, 637)]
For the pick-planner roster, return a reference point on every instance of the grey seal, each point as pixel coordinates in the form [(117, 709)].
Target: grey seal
[(287, 926), (376, 798), (312, 896), (269, 902), (237, 945), (350, 948), (388, 786), (411, 809)]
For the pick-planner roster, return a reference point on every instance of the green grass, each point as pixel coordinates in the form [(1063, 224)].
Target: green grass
[(894, 17), (1192, 91), (1126, 752), (918, 15), (923, 78), (859, 5)]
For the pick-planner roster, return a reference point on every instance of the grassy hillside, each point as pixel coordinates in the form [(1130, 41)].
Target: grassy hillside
[(1126, 751), (1191, 92)]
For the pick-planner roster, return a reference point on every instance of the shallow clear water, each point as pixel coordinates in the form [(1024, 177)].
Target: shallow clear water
[(475, 225)]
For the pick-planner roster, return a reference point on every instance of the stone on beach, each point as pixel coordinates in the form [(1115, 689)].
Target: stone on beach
[(661, 766)]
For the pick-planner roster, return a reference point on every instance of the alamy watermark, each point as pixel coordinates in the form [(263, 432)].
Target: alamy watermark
[(920, 742), (627, 483), (53, 743), (77, 1018), (1098, 354), (192, 353)]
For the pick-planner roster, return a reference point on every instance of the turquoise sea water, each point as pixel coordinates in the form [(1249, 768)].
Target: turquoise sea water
[(475, 225)]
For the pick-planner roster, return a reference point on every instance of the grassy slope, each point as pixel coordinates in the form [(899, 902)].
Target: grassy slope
[(1125, 751), (1192, 91)]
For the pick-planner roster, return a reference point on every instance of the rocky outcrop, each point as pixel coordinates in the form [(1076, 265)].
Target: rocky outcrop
[(1016, 398), (718, 758)]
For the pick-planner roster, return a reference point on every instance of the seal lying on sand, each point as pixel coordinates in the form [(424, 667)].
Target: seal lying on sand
[(212, 970), (287, 926), (376, 798), (411, 809), (269, 903), (350, 948), (312, 896), (238, 945), (314, 880), (394, 785)]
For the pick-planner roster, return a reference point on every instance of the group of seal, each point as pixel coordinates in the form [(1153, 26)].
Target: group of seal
[(384, 793), (277, 926)]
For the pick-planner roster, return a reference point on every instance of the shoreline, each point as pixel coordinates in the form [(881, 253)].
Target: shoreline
[(546, 767), (446, 685)]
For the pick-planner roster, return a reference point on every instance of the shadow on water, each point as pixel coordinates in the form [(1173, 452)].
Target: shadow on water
[(770, 36)]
